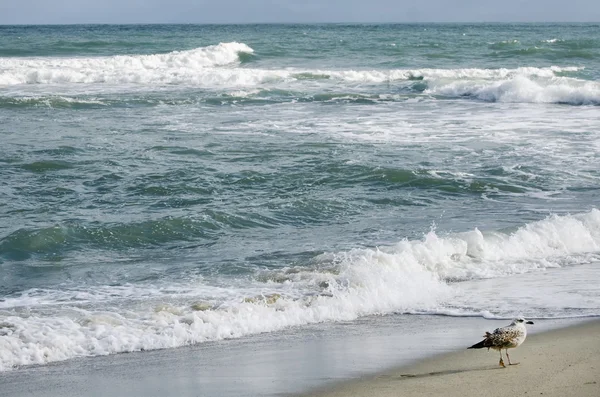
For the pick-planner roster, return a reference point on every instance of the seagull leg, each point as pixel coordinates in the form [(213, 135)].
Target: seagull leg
[(507, 356), (501, 363)]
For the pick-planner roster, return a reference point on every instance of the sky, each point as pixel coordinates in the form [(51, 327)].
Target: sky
[(301, 11)]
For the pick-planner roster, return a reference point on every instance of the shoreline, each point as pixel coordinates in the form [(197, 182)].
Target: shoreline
[(288, 363), (558, 362)]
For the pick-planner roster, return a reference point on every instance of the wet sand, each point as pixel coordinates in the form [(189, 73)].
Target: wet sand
[(563, 362)]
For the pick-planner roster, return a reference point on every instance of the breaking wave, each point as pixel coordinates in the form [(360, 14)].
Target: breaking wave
[(215, 68), (413, 276), (560, 90), (169, 68), (205, 67)]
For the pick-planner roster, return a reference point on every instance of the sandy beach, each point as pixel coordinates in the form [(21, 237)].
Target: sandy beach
[(401, 355), (563, 362)]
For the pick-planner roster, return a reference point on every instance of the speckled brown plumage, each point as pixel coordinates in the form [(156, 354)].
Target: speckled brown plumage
[(506, 338)]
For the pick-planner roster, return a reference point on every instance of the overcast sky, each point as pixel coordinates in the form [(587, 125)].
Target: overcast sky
[(250, 11)]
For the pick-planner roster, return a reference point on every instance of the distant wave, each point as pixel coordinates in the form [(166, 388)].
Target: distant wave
[(206, 67), (140, 69), (521, 88), (218, 71), (413, 276), (504, 44), (383, 76)]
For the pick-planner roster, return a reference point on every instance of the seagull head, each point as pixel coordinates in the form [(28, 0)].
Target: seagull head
[(521, 320)]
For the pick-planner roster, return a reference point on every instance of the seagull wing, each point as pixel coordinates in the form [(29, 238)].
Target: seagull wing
[(500, 338)]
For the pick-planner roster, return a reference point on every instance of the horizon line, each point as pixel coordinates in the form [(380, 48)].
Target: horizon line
[(300, 23)]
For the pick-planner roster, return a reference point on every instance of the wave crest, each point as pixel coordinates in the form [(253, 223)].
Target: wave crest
[(155, 68), (521, 88)]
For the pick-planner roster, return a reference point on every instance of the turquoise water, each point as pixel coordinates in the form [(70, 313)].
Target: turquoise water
[(164, 185)]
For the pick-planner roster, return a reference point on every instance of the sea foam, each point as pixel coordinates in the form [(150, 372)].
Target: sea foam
[(412, 276), (522, 88), (155, 68), (218, 66)]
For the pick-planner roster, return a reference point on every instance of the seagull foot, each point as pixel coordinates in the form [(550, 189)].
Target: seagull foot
[(514, 363), (501, 363)]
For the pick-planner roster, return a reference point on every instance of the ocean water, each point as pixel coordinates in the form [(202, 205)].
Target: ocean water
[(168, 185)]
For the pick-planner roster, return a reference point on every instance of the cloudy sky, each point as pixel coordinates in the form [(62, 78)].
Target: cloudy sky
[(250, 11)]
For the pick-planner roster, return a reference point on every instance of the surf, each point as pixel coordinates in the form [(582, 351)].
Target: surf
[(413, 276)]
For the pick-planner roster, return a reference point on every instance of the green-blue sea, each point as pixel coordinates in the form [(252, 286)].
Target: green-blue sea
[(169, 185)]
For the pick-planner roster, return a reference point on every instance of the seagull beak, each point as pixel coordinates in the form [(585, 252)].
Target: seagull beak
[(529, 322)]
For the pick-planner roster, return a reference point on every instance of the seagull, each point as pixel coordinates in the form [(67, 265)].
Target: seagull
[(505, 338)]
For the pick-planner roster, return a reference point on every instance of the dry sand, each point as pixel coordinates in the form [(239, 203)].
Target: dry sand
[(561, 363)]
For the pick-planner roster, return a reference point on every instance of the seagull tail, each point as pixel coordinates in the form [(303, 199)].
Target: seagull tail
[(479, 345)]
